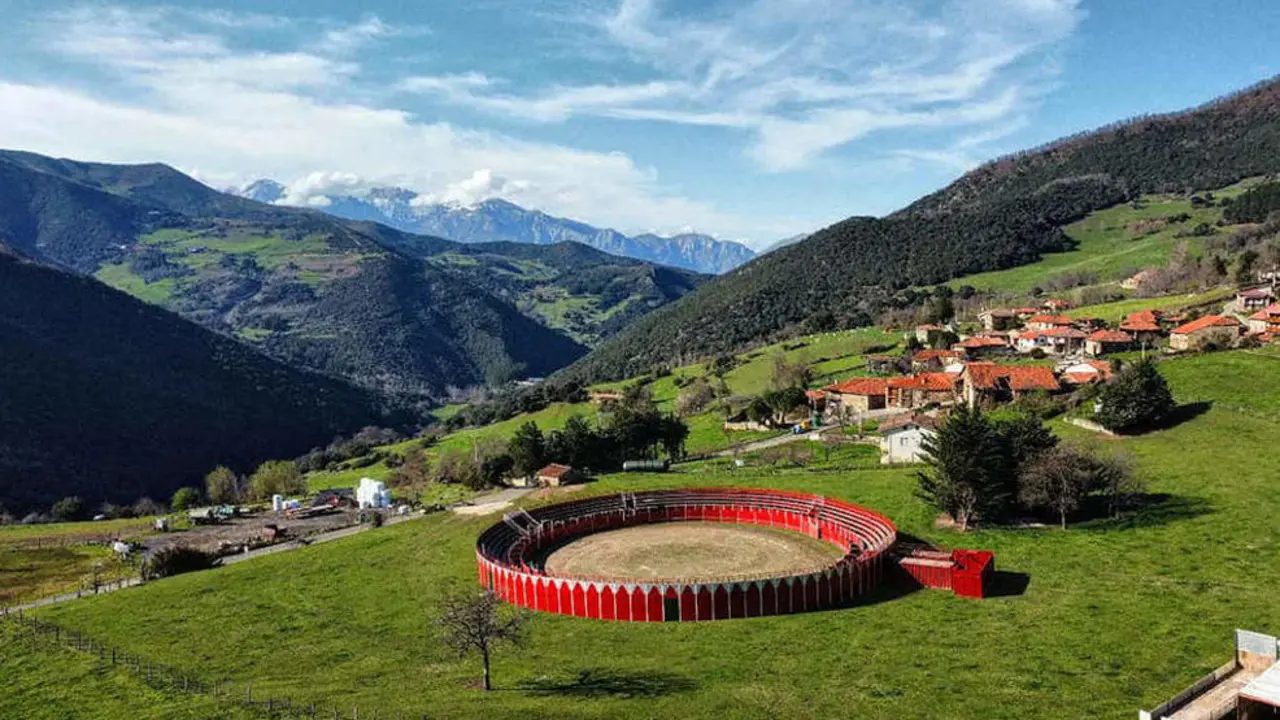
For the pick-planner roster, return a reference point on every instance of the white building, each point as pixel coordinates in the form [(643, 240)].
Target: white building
[(902, 439), (372, 494)]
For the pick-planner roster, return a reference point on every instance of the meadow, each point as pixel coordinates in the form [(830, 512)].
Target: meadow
[(1096, 621)]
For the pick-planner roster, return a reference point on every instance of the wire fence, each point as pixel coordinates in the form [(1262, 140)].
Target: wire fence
[(172, 680)]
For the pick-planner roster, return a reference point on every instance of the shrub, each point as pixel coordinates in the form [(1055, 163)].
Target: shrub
[(176, 561), (184, 498), (68, 509), (1137, 399)]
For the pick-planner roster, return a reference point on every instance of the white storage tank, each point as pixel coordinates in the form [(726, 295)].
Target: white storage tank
[(372, 494)]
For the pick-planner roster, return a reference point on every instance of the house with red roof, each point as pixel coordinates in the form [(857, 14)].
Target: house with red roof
[(934, 388), (1266, 322), (1057, 340), (980, 346), (1220, 330), (989, 383), (1086, 373), (855, 395), (1254, 298), (998, 319), (1054, 305), (927, 360), (1101, 342), (555, 475), (1049, 322), (1145, 326)]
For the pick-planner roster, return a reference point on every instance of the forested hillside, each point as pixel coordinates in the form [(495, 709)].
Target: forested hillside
[(112, 399), (1004, 214), (407, 315)]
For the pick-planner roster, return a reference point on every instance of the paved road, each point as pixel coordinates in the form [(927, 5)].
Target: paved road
[(492, 502)]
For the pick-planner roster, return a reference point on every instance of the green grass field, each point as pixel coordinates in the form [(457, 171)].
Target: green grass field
[(1112, 243), (1115, 615), (1114, 312)]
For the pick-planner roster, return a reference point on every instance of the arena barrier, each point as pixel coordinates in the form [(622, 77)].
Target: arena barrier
[(507, 556)]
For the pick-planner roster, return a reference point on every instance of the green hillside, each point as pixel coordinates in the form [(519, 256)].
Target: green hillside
[(1116, 615), (406, 315), (113, 399), (1008, 213)]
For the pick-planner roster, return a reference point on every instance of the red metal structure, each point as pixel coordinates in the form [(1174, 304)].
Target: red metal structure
[(507, 553), (967, 573)]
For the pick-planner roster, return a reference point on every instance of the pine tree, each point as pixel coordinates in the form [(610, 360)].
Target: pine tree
[(965, 477), (527, 449)]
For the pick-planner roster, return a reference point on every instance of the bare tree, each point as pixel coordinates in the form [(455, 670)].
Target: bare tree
[(474, 624)]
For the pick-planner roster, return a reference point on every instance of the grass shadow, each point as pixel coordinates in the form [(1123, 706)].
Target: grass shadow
[(606, 683), (1146, 510), (1008, 584), (1181, 414)]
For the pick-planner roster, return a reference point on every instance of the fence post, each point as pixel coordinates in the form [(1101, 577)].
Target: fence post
[(248, 692)]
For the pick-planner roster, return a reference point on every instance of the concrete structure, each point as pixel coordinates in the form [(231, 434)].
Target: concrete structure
[(1246, 688), (1220, 330), (508, 556), (902, 438), (1107, 341)]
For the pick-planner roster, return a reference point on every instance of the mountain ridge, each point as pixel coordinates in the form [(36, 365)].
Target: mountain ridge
[(497, 220), (1003, 214)]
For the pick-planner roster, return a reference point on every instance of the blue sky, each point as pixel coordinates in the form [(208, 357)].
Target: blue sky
[(751, 119)]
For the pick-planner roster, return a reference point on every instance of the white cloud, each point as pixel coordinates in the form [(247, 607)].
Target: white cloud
[(231, 116), (803, 76)]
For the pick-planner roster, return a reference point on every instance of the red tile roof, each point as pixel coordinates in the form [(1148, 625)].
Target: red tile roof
[(859, 386), (1267, 312), (1027, 311), (1064, 332), (1142, 321), (927, 355), (983, 342), (1051, 320), (555, 470), (1263, 292), (1206, 322), (814, 394), (932, 382), (900, 421), (1111, 336), (1057, 304), (1017, 377)]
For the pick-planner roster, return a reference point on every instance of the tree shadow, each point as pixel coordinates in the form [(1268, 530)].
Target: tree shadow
[(603, 682), (1145, 510), (1181, 414)]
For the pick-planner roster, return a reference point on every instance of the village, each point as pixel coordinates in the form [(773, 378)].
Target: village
[(1018, 353)]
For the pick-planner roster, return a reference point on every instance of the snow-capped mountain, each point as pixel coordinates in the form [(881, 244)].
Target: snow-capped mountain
[(498, 220)]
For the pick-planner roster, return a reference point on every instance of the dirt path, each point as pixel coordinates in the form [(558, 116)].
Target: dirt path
[(759, 445)]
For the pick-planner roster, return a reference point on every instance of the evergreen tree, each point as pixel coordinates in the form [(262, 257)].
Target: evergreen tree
[(966, 468), (1137, 398), (527, 449)]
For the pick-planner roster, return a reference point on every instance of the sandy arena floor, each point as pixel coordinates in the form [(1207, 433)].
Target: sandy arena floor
[(689, 551)]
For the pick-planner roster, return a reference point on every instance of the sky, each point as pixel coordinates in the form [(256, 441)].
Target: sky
[(751, 120)]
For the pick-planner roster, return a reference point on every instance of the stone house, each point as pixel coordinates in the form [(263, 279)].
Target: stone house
[(935, 388), (1107, 341), (998, 319), (1049, 322), (1053, 341), (1220, 330), (929, 360), (856, 395), (555, 475), (1144, 327), (1266, 322), (989, 384)]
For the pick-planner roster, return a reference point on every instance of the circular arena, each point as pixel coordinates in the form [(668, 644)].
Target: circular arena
[(686, 555)]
